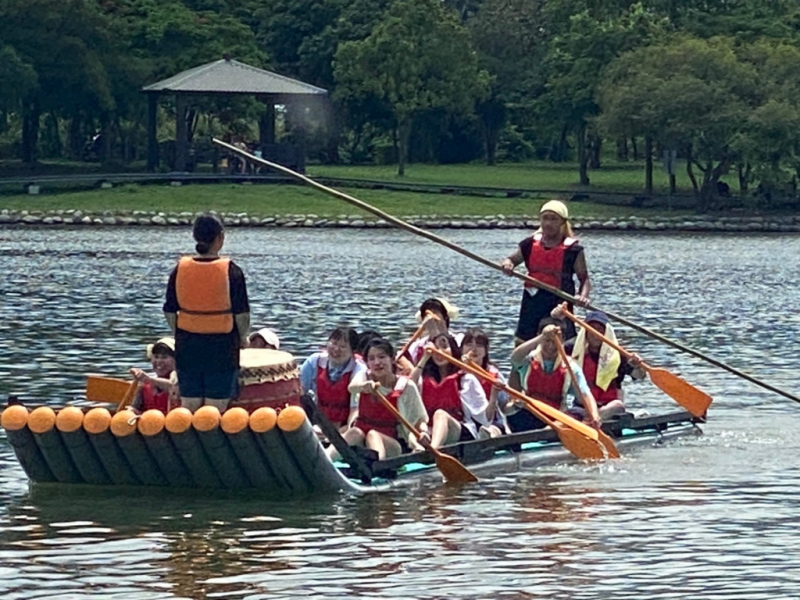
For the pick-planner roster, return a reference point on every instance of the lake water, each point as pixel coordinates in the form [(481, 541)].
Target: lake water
[(709, 516)]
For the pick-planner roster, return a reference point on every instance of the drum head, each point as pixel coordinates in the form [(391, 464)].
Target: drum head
[(250, 358)]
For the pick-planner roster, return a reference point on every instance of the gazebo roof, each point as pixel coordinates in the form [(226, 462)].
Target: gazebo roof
[(229, 76)]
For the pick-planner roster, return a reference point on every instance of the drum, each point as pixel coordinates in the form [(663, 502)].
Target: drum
[(267, 378)]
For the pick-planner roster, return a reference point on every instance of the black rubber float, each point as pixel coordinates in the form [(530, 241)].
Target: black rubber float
[(42, 423), (15, 422), (206, 421), (69, 423), (151, 426), (235, 423), (123, 426), (97, 424)]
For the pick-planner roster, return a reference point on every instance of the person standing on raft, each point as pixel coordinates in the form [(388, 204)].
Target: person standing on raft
[(553, 256), (207, 308)]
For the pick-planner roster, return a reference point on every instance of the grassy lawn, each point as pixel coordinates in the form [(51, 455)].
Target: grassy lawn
[(291, 199), (614, 176)]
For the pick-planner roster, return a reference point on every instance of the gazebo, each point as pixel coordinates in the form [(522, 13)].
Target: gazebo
[(222, 77)]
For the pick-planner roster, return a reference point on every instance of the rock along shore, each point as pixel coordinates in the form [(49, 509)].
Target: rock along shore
[(706, 223)]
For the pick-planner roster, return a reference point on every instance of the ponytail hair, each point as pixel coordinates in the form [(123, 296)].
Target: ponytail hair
[(205, 230)]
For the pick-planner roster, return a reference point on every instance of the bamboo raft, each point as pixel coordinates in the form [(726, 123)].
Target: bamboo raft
[(277, 453)]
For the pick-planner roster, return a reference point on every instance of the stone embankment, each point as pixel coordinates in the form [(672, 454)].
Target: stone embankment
[(631, 223)]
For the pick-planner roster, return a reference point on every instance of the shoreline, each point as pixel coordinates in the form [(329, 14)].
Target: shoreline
[(135, 218)]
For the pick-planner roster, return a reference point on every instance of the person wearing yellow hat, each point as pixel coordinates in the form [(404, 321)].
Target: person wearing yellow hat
[(553, 256)]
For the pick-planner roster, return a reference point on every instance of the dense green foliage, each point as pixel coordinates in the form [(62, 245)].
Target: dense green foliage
[(716, 82)]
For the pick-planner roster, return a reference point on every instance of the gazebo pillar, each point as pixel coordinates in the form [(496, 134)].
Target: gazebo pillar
[(181, 132), (152, 132), (266, 125)]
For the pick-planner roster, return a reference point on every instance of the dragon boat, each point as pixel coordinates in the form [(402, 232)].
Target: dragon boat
[(274, 452)]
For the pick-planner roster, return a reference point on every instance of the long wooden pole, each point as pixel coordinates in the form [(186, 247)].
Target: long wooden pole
[(497, 266)]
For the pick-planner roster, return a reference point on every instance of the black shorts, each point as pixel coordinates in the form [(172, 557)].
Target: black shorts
[(535, 308), (523, 420)]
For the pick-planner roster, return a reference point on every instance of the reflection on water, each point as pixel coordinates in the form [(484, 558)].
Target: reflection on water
[(709, 516)]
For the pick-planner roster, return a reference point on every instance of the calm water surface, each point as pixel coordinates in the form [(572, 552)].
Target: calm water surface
[(709, 516)]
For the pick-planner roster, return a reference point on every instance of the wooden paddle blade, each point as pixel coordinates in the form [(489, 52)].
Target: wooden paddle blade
[(684, 393), (453, 470), (106, 389), (578, 444), (607, 443)]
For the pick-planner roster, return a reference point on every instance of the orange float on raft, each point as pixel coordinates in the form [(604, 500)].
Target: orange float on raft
[(178, 420), (14, 418), (151, 422), (69, 419), (206, 418), (42, 419), (263, 419), (291, 418), (234, 420), (97, 420), (123, 423)]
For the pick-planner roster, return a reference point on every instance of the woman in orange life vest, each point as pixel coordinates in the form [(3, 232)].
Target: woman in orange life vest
[(327, 375), (455, 401), (156, 389), (553, 256), (207, 308), (544, 377), (475, 347), (375, 427), (603, 367)]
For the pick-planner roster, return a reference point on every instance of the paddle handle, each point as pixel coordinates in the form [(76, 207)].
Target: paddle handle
[(414, 337), (537, 407), (497, 266), (129, 395), (574, 379)]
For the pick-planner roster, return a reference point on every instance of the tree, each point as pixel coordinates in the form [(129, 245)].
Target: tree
[(418, 58), (689, 94)]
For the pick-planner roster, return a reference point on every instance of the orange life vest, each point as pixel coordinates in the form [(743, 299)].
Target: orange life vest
[(601, 396), (204, 295), (372, 414), (547, 264), (548, 387), (444, 395)]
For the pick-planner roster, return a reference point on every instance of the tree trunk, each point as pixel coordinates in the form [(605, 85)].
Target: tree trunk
[(744, 178), (583, 155), (635, 148), (30, 132), (648, 165), (622, 149), (493, 117), (595, 146), (690, 169), (403, 136), (75, 141)]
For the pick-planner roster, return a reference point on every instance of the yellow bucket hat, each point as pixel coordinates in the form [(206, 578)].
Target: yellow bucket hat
[(555, 206)]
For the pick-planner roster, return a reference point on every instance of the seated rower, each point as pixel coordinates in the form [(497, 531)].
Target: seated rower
[(455, 401), (157, 390), (374, 426), (475, 347), (265, 338), (441, 312), (544, 377), (603, 367), (328, 374)]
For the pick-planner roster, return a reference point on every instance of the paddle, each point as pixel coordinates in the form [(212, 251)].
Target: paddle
[(603, 438), (106, 389), (133, 387), (451, 468), (537, 406), (485, 261), (579, 445), (684, 393), (417, 333)]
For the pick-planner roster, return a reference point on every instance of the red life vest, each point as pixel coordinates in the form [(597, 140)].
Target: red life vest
[(487, 385), (374, 415), (444, 394), (601, 396), (548, 387), (333, 398), (547, 264), (153, 398)]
